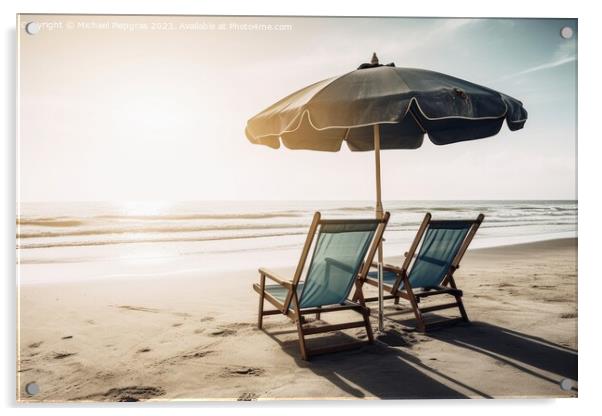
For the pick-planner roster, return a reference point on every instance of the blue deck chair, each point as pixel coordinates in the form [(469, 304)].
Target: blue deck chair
[(343, 251), (443, 246)]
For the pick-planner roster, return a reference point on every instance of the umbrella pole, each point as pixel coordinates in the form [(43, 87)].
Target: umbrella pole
[(379, 215)]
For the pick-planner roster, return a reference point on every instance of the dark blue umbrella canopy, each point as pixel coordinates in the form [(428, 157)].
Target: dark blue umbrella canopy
[(406, 103)]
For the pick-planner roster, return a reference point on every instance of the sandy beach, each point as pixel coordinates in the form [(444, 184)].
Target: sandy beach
[(191, 337)]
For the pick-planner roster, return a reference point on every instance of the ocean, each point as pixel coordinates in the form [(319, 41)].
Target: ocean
[(100, 240)]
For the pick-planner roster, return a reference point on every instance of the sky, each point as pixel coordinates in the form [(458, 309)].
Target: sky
[(153, 108)]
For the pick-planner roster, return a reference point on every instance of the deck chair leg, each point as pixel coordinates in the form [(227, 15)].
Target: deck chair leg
[(261, 297), (452, 284), (260, 315), (302, 346), (318, 313), (396, 302), (420, 325), (366, 314), (300, 321), (462, 310)]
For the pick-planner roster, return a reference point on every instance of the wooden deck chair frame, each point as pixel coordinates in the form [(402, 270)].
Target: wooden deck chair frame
[(296, 314), (447, 287)]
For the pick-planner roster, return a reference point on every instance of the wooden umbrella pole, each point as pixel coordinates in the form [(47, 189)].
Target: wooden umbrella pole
[(379, 215)]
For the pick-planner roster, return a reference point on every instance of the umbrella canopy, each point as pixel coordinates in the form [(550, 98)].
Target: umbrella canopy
[(407, 103), (384, 107)]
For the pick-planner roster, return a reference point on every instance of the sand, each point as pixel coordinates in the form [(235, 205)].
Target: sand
[(192, 337)]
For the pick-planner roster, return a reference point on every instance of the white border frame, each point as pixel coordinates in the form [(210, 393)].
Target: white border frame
[(589, 147)]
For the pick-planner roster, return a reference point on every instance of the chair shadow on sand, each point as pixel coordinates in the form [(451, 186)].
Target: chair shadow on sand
[(384, 370), (524, 352)]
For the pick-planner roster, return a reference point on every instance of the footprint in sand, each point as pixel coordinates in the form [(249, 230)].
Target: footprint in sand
[(191, 355), (177, 324), (222, 332), (242, 371), (104, 375), (198, 354), (142, 350), (216, 332), (247, 397), (230, 329), (138, 308), (67, 337), (151, 310), (241, 325), (35, 344), (125, 394), (62, 355)]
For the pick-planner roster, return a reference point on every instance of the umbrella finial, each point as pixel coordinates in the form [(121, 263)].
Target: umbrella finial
[(373, 63)]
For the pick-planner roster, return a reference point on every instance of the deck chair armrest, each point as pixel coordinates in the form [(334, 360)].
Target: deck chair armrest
[(388, 267), (275, 277)]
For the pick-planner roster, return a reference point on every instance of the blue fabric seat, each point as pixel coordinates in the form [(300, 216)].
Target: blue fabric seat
[(338, 255), (441, 244), (280, 292), (339, 251)]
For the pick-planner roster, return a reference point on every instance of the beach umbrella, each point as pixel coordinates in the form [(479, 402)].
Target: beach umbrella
[(379, 107)]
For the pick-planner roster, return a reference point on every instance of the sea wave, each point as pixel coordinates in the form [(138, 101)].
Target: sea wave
[(403, 226), (50, 222), (74, 225), (74, 222), (153, 240), (154, 230)]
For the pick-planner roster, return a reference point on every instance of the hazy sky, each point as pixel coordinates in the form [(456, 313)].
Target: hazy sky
[(111, 109)]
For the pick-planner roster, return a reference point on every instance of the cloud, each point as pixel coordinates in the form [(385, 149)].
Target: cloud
[(547, 65), (564, 54)]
